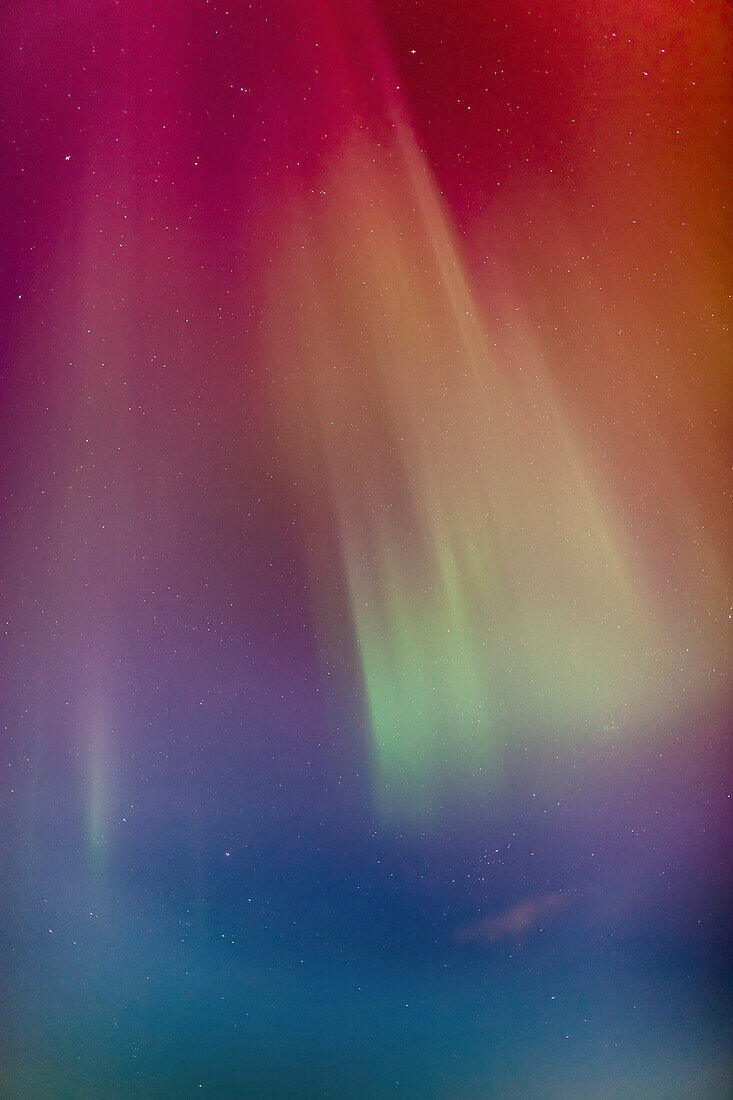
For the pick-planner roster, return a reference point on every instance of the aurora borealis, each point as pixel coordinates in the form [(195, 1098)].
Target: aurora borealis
[(366, 550)]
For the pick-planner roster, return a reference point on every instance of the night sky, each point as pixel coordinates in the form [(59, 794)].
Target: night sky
[(365, 422)]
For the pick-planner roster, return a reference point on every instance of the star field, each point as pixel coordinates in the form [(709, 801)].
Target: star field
[(365, 650)]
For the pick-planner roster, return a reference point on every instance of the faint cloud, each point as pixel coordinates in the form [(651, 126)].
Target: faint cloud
[(523, 917)]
